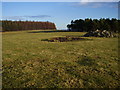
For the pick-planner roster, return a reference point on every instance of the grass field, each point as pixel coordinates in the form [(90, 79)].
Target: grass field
[(30, 62)]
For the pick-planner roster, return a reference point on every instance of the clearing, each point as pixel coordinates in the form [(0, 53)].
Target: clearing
[(29, 61)]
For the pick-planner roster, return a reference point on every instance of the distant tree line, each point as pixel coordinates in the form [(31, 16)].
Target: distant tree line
[(87, 25), (26, 25)]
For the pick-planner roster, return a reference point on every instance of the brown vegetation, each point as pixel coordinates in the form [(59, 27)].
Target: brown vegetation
[(26, 25)]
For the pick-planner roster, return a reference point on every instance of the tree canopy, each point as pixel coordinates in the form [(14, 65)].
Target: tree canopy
[(26, 25), (87, 25)]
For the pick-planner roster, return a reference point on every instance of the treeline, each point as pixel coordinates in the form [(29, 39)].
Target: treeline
[(87, 25), (26, 25)]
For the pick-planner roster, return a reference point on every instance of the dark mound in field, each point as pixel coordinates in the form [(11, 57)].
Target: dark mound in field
[(100, 33), (65, 39)]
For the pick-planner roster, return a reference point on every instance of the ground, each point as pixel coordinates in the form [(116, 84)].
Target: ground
[(30, 62)]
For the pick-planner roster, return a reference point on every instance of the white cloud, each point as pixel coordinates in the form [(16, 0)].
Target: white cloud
[(84, 1), (24, 17), (96, 4), (99, 1)]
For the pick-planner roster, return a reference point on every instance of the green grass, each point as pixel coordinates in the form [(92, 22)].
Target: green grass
[(30, 62)]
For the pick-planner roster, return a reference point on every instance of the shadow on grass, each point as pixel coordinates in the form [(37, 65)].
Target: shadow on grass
[(47, 31), (87, 61), (75, 70)]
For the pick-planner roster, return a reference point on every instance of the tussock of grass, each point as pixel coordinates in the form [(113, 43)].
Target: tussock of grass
[(30, 62)]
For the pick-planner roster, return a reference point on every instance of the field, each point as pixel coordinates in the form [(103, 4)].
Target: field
[(30, 62)]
